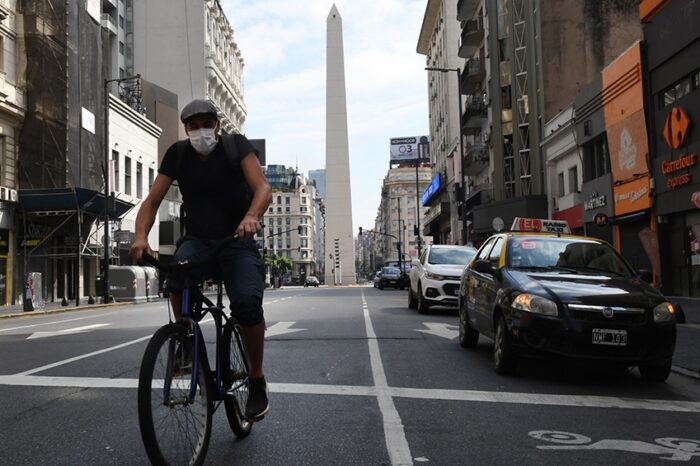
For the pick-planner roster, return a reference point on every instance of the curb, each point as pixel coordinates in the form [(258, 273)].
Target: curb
[(685, 372)]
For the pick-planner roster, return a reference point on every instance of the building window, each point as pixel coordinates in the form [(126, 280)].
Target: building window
[(279, 243), (287, 209), (279, 231), (304, 254), (272, 243), (596, 158), (304, 209), (139, 180), (303, 200), (121, 22), (286, 200), (288, 221), (289, 243), (304, 243), (696, 80), (303, 221), (573, 180), (121, 47), (677, 91), (127, 175), (151, 174), (279, 210), (560, 185), (2, 54), (270, 210), (279, 199), (115, 158)]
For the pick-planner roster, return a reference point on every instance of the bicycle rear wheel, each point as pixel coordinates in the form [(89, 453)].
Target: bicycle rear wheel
[(235, 378), (174, 429)]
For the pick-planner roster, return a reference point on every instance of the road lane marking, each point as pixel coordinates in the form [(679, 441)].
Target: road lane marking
[(397, 445), (78, 358), (433, 394), (281, 328), (51, 323), (67, 331), (440, 330)]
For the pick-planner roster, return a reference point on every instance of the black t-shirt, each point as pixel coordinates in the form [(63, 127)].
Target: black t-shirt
[(214, 190)]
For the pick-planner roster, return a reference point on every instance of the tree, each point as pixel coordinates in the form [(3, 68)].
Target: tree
[(279, 265)]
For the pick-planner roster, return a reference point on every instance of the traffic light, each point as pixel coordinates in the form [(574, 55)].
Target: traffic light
[(360, 234)]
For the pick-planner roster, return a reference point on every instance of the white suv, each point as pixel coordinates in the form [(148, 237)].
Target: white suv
[(435, 277)]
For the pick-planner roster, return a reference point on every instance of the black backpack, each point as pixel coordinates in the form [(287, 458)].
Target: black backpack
[(231, 151)]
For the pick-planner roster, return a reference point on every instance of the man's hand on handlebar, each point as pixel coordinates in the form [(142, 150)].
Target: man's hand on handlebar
[(140, 246), (249, 227)]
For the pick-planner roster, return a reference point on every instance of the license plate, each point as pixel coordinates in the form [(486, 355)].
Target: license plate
[(392, 281), (603, 336)]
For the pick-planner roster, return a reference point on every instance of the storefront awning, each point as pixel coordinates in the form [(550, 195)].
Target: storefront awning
[(68, 200)]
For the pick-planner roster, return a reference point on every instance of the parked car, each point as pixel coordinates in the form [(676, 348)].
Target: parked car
[(573, 296), (375, 280), (434, 278), (311, 281), (391, 277)]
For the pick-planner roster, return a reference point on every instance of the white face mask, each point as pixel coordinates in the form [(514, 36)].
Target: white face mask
[(203, 140)]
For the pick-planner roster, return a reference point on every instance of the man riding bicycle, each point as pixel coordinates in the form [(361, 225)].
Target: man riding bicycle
[(224, 192)]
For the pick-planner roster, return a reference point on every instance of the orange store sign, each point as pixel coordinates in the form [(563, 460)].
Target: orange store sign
[(675, 133), (633, 196)]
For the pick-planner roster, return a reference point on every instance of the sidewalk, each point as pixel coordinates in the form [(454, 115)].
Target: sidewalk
[(687, 356), (17, 310)]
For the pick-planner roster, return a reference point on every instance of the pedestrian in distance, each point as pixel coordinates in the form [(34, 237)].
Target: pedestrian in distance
[(224, 193)]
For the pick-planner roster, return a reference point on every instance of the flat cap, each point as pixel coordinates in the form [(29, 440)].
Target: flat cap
[(198, 107)]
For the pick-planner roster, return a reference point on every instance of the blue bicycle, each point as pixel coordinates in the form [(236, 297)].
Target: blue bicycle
[(178, 391)]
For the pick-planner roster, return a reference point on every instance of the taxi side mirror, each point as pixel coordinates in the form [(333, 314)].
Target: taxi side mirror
[(484, 267), (415, 263), (645, 275)]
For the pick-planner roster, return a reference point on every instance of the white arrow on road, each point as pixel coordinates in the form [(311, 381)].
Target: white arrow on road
[(440, 330), (68, 331), (280, 328)]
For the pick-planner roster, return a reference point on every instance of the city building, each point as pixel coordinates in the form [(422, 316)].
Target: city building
[(673, 113), (397, 216), (319, 178), (563, 170), (290, 222), (525, 66), (438, 41), (12, 106), (190, 51)]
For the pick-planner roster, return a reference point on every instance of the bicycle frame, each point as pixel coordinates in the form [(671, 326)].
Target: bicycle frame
[(220, 319)]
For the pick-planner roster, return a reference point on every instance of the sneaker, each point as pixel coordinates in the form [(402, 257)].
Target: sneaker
[(257, 405)]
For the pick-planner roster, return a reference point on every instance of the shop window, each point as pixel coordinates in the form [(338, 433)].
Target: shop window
[(139, 180), (151, 174), (677, 91)]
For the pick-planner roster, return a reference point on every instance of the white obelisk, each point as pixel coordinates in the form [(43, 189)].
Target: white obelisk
[(340, 247)]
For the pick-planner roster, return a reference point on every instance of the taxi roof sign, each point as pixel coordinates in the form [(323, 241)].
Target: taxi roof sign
[(538, 225)]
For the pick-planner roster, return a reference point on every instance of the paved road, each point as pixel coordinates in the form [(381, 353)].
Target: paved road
[(356, 379)]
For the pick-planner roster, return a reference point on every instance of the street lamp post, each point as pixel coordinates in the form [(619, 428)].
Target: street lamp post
[(107, 254), (461, 142)]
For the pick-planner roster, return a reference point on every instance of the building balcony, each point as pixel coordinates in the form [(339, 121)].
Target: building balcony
[(109, 23), (466, 9), (475, 114), (472, 75), (472, 37), (476, 159), (567, 202)]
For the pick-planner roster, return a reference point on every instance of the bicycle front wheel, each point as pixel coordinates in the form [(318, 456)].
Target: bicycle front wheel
[(175, 427), (235, 378)]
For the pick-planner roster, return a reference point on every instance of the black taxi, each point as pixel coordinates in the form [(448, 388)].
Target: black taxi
[(543, 292)]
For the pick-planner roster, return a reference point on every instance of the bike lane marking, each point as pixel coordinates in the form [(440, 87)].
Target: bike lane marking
[(396, 442)]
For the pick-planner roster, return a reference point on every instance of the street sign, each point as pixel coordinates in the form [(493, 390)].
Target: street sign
[(600, 220), (540, 225), (498, 224)]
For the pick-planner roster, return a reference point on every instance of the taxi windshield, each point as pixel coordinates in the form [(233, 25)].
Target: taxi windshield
[(450, 256), (566, 254)]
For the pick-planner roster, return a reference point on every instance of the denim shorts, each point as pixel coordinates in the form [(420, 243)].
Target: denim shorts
[(238, 265)]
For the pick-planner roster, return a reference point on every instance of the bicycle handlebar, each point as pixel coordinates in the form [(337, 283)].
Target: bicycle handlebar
[(188, 265)]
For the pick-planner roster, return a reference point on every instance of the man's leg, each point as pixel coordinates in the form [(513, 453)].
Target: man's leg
[(244, 276), (189, 249)]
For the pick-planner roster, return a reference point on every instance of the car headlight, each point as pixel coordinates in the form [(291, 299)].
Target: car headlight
[(535, 304), (664, 312), (434, 276)]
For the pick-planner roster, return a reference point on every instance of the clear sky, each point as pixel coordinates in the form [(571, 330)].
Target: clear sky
[(284, 48)]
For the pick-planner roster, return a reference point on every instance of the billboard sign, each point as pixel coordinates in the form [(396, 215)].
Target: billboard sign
[(410, 148)]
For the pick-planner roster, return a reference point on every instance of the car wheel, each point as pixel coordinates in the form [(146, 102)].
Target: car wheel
[(655, 372), (423, 306), (381, 287), (504, 359), (412, 303), (468, 337)]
